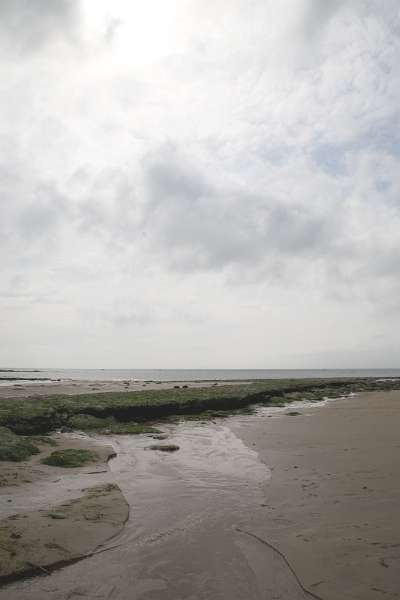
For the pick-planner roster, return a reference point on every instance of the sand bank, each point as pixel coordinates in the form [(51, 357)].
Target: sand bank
[(32, 471), (332, 505), (38, 541)]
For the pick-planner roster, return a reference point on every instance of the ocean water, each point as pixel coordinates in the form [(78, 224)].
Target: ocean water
[(188, 374)]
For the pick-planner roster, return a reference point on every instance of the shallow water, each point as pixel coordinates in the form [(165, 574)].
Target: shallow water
[(189, 374), (211, 470)]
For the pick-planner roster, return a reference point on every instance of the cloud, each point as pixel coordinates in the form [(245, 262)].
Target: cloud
[(27, 26), (318, 14), (197, 223), (236, 182)]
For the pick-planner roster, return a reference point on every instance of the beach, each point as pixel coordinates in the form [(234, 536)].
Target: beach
[(332, 506), (282, 504)]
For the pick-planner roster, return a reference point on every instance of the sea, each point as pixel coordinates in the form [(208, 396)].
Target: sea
[(8, 375)]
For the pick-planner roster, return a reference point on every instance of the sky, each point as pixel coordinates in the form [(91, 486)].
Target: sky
[(200, 183)]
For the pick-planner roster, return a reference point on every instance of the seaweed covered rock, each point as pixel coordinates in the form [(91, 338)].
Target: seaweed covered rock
[(165, 447), (70, 458)]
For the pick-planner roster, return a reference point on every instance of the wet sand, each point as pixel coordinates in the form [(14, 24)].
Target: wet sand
[(17, 477), (332, 507), (316, 517), (49, 518), (37, 542)]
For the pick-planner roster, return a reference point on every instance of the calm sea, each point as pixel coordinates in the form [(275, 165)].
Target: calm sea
[(190, 374)]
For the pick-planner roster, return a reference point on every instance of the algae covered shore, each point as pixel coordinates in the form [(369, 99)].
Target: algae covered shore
[(129, 412)]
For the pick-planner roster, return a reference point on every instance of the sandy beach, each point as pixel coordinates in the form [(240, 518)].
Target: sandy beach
[(259, 507), (332, 506)]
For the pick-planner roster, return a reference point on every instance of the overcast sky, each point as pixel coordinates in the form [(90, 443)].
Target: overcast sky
[(200, 183)]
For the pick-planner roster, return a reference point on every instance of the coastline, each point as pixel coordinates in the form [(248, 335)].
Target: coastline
[(323, 526)]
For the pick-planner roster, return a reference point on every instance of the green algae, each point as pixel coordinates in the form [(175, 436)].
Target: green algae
[(15, 448), (107, 425), (165, 447), (70, 458), (131, 412)]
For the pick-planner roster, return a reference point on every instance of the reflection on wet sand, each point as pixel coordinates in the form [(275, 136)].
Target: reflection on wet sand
[(183, 510)]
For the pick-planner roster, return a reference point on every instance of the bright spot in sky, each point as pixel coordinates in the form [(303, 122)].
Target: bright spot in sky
[(140, 32)]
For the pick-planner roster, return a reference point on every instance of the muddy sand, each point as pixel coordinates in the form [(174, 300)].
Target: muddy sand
[(266, 506), (37, 541)]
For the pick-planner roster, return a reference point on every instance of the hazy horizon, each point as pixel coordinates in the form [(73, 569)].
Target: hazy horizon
[(39, 369)]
